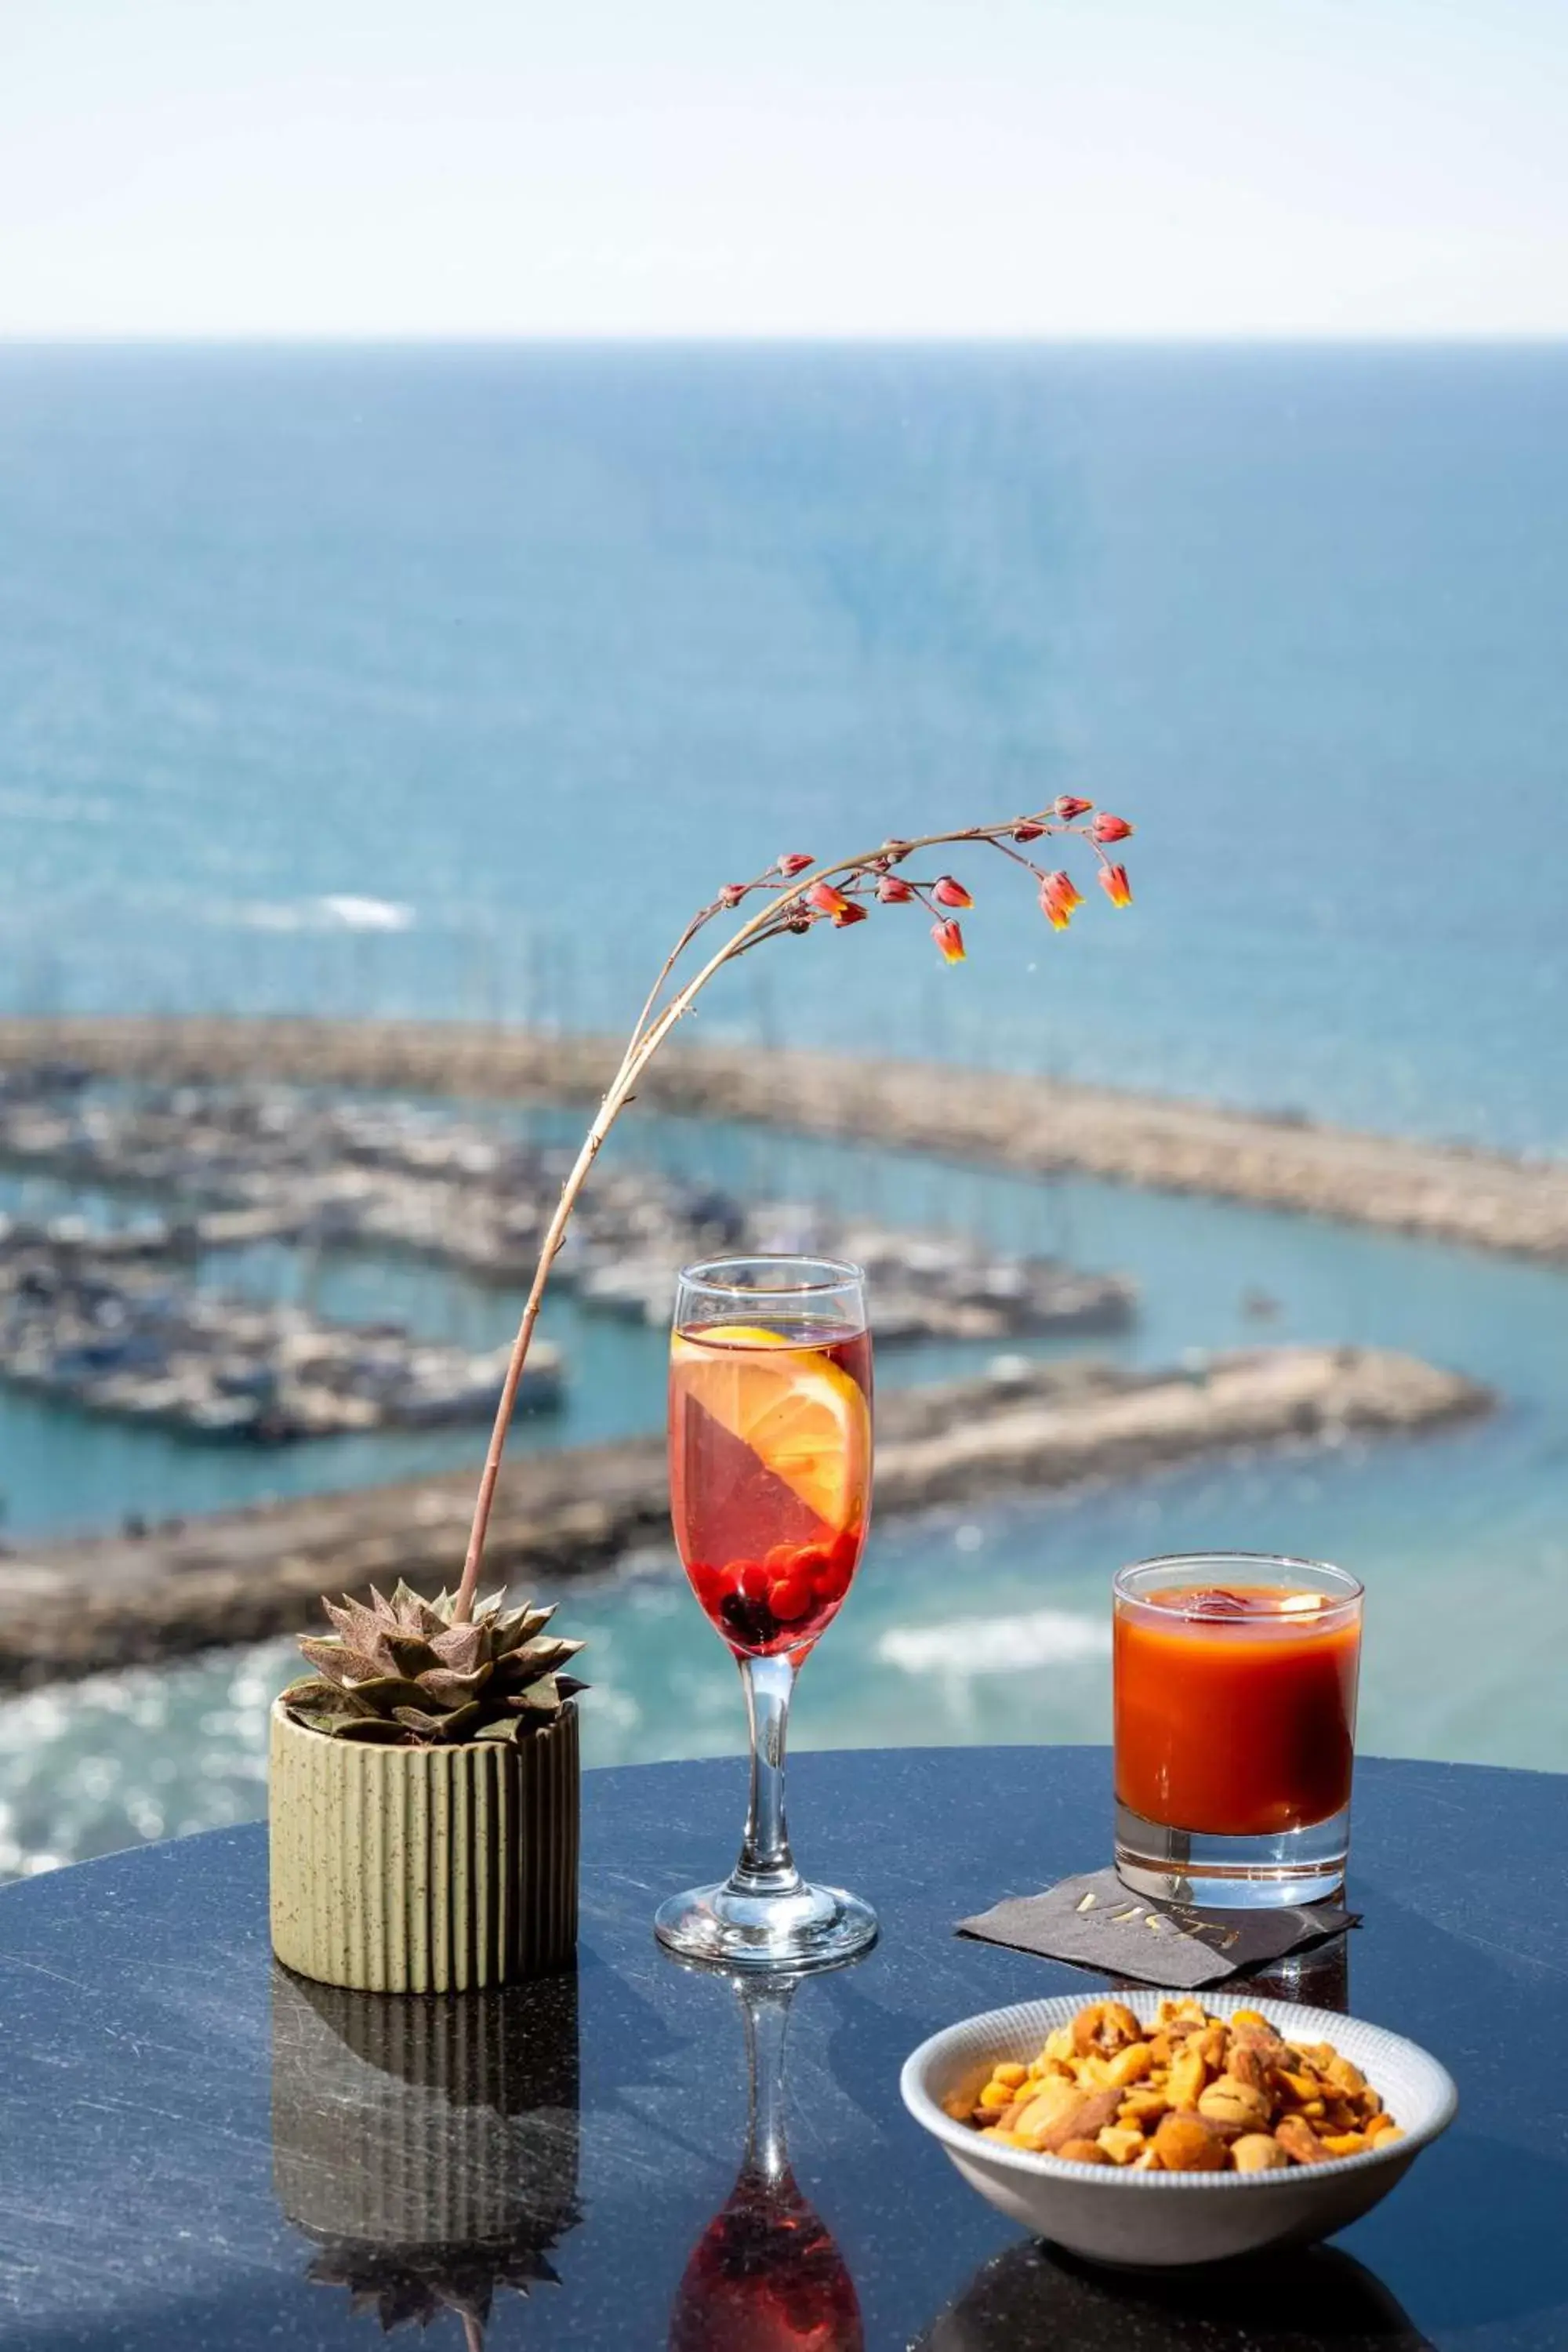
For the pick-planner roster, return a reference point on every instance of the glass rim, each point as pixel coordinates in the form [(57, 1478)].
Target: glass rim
[(839, 1272), (1350, 1587)]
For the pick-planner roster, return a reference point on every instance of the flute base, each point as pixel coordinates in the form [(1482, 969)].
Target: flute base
[(1232, 1874), (798, 1927)]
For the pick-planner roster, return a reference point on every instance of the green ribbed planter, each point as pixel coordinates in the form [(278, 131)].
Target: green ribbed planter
[(422, 1869)]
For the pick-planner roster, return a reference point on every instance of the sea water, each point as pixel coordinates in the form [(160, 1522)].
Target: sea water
[(445, 682)]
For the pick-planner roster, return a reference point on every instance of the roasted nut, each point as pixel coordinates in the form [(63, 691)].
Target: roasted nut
[(1142, 2105), (1263, 2043), (1086, 2120), (1235, 2104), (1257, 2152), (1350, 2143), (1118, 2073), (1300, 2141), (1058, 2046), (1122, 2143), (1188, 2075), (1188, 2144), (1055, 2096), (1244, 2065), (1082, 2151), (1104, 2026), (1014, 2077), (1180, 2016)]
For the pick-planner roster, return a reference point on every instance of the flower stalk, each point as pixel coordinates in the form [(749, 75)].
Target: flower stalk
[(795, 894)]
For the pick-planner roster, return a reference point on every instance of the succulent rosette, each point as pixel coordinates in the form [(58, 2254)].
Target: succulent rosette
[(409, 1673)]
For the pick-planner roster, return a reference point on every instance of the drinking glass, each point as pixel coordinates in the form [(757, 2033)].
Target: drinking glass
[(770, 1479), (1234, 1680)]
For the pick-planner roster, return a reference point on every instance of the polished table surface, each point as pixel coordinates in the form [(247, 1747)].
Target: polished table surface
[(196, 2150)]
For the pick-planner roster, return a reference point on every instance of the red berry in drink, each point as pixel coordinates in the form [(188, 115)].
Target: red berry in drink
[(753, 1580), (790, 1597), (846, 1551)]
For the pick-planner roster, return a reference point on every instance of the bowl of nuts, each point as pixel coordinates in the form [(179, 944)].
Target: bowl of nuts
[(1159, 2129)]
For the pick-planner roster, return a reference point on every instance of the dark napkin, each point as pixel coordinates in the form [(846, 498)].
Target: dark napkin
[(1095, 1923)]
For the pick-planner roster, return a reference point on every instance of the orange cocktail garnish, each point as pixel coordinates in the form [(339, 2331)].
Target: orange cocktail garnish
[(1234, 1707), (770, 1475)]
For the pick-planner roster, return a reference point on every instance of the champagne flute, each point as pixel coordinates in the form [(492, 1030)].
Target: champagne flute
[(770, 1474)]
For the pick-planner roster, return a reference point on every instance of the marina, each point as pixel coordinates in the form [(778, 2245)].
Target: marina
[(96, 1325), (107, 1313)]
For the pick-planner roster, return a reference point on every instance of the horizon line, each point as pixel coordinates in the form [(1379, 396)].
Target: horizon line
[(405, 338)]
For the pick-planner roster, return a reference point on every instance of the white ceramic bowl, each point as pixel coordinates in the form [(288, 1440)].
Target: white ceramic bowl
[(1164, 2219)]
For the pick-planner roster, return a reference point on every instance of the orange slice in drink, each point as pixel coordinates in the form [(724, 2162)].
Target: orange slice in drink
[(799, 1412)]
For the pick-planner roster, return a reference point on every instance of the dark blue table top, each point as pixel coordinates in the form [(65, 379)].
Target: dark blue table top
[(198, 2151)]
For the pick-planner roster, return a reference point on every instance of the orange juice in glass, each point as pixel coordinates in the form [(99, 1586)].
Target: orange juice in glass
[(770, 1484), (1235, 1677)]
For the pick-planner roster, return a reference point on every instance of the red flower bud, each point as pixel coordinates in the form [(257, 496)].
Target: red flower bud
[(1059, 895), (851, 914), (1028, 830), (1114, 883), (731, 894), (1106, 827), (948, 893), (950, 940), (893, 892), (826, 899), (793, 864), (1069, 806)]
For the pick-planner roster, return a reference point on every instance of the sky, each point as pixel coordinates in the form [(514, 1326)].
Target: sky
[(836, 168)]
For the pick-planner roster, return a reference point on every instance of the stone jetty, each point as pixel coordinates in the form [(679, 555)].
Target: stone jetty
[(70, 1608), (1450, 1193)]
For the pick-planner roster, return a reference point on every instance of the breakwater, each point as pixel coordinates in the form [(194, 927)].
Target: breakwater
[(70, 1608), (1450, 1193)]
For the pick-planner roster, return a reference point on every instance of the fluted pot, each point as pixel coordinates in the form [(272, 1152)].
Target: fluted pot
[(422, 1869)]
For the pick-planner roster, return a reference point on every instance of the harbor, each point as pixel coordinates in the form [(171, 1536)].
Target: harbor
[(112, 1313), (97, 1323)]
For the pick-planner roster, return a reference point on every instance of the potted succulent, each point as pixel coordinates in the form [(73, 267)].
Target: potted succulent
[(424, 1798), (424, 1777)]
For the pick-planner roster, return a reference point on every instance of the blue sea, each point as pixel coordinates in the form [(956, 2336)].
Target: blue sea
[(451, 680), (447, 682)]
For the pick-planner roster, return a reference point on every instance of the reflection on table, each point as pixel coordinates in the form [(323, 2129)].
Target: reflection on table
[(1028, 2299), (429, 2147), (766, 2274)]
